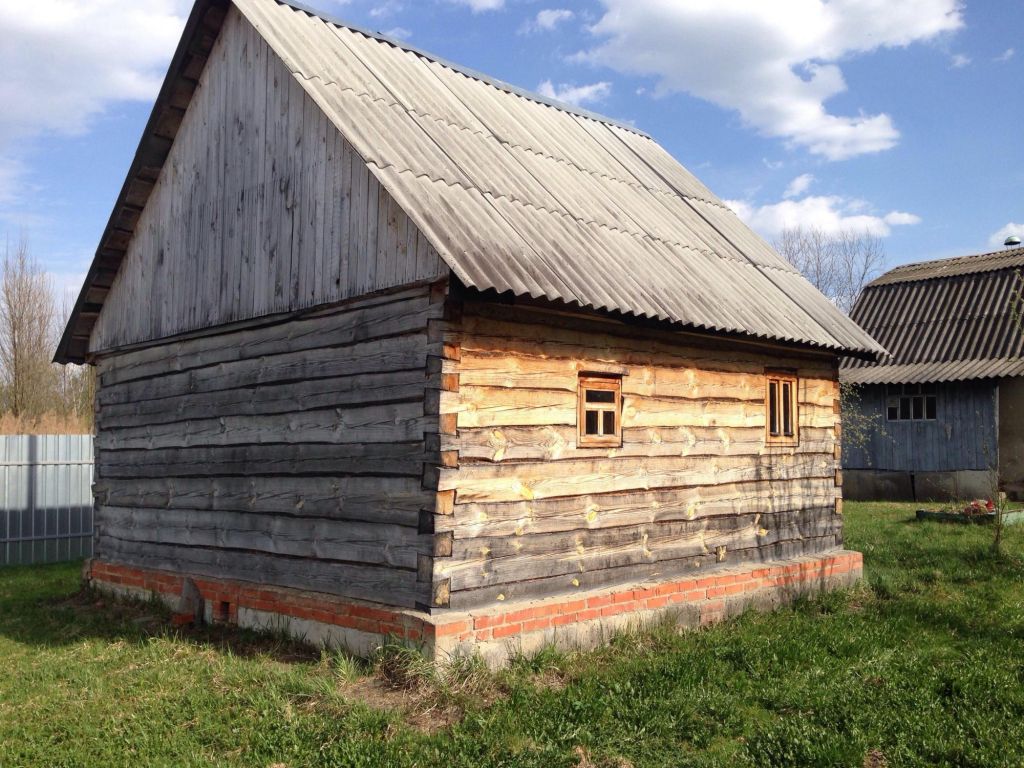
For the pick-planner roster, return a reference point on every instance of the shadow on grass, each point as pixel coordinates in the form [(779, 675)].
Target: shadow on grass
[(47, 606)]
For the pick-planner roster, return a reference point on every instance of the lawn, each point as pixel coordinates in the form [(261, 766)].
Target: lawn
[(923, 665)]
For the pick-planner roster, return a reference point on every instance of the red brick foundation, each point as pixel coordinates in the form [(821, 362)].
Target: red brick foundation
[(584, 620)]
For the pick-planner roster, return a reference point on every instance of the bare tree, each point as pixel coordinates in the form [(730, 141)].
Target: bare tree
[(838, 264), (76, 384), (27, 327)]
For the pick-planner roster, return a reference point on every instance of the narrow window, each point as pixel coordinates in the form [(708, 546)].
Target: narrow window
[(780, 397), (904, 408), (893, 408), (930, 408), (918, 408), (600, 408), (787, 408)]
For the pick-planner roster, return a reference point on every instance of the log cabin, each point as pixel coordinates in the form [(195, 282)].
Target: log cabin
[(386, 347)]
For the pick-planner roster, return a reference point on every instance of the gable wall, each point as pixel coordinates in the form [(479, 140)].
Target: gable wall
[(527, 512), (262, 207)]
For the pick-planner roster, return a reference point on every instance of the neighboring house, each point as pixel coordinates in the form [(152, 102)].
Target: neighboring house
[(387, 347), (944, 416)]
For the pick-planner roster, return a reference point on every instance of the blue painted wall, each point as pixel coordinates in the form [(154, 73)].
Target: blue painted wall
[(963, 436)]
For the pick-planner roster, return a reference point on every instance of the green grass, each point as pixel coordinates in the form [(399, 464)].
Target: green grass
[(923, 665)]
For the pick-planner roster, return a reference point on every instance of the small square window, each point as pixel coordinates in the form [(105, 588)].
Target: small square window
[(600, 409), (781, 408)]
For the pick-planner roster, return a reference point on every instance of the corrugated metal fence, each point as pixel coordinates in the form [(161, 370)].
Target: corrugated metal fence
[(45, 498)]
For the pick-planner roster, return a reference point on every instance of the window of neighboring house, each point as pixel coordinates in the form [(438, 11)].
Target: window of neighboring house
[(780, 404), (911, 402), (599, 414)]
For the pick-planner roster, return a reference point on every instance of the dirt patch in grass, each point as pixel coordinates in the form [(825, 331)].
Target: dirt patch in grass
[(418, 708)]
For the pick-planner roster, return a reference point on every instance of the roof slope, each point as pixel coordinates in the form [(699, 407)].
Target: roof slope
[(520, 195), (945, 320)]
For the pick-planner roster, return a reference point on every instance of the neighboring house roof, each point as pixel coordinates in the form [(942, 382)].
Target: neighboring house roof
[(516, 193), (945, 320)]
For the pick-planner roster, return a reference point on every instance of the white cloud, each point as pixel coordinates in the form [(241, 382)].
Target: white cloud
[(385, 9), (774, 63), (66, 61), (1005, 55), (959, 61), (996, 238), (799, 185), (829, 213), (548, 19), (575, 94), (399, 33), (478, 6), (900, 218)]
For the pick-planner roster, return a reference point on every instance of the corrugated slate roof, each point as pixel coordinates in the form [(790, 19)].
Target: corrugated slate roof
[(958, 265), (947, 320), (520, 194)]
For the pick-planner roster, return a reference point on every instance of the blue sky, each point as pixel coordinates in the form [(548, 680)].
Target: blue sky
[(902, 118)]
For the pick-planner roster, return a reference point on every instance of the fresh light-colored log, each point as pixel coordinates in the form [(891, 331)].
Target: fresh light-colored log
[(624, 508), (487, 482)]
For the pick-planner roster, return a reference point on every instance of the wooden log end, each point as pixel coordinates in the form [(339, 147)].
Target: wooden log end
[(444, 503), (443, 544), (426, 522), (448, 423), (431, 476), (442, 597), (424, 569)]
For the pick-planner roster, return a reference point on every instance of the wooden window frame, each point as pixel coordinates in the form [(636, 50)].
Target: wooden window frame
[(911, 399), (606, 383), (780, 380)]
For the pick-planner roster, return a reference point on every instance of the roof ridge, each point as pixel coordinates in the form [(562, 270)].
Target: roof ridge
[(467, 71), (1009, 252)]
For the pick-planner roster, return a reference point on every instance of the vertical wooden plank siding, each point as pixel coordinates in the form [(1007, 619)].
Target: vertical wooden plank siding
[(962, 437), (240, 223), (692, 486), (289, 453)]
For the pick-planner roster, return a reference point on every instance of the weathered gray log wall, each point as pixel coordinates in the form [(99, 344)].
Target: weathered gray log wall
[(694, 485), (289, 452), (261, 207)]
